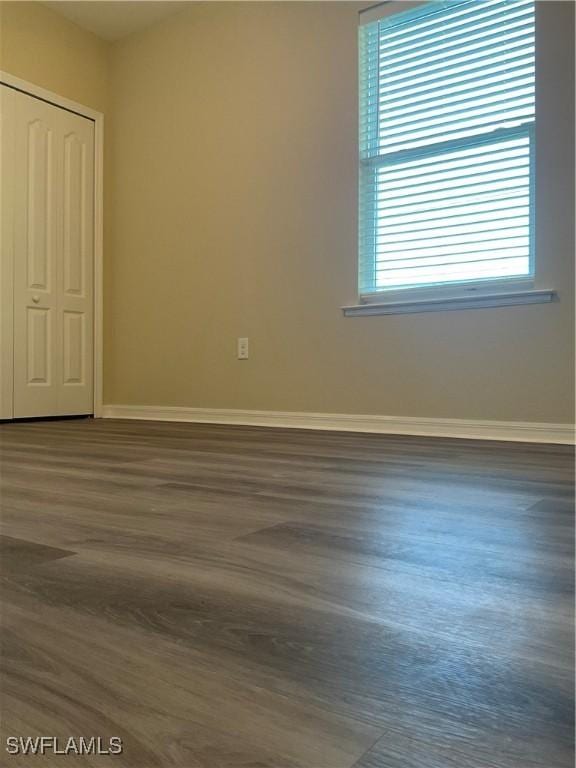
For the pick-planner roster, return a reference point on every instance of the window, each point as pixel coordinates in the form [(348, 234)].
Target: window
[(446, 147)]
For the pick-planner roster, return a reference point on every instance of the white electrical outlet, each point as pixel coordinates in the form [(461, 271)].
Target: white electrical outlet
[(243, 349)]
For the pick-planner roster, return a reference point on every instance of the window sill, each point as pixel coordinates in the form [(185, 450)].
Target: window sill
[(477, 301)]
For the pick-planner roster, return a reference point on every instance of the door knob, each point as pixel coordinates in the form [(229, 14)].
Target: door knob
[(35, 299)]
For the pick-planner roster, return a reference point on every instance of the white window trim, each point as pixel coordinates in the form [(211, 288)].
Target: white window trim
[(474, 294), (373, 304)]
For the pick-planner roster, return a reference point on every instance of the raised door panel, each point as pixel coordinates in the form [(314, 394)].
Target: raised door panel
[(40, 206), (76, 224), (74, 357), (39, 342)]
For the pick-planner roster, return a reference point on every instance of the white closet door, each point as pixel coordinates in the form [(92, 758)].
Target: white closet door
[(53, 207)]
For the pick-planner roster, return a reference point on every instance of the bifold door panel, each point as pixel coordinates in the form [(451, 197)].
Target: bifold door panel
[(50, 191)]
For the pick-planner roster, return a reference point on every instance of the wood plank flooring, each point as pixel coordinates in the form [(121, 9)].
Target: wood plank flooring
[(231, 597)]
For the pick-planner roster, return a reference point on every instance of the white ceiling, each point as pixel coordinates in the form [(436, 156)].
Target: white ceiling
[(113, 19)]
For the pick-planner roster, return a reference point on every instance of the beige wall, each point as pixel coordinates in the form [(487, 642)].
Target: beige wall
[(44, 48), (233, 213)]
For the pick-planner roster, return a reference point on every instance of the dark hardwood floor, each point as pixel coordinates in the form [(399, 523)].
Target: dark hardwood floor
[(225, 597)]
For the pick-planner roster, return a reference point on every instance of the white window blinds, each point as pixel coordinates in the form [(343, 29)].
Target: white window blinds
[(446, 144)]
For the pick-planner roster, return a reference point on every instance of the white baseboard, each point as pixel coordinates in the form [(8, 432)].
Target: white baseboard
[(519, 431)]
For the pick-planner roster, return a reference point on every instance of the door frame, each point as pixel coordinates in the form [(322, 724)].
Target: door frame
[(98, 119)]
